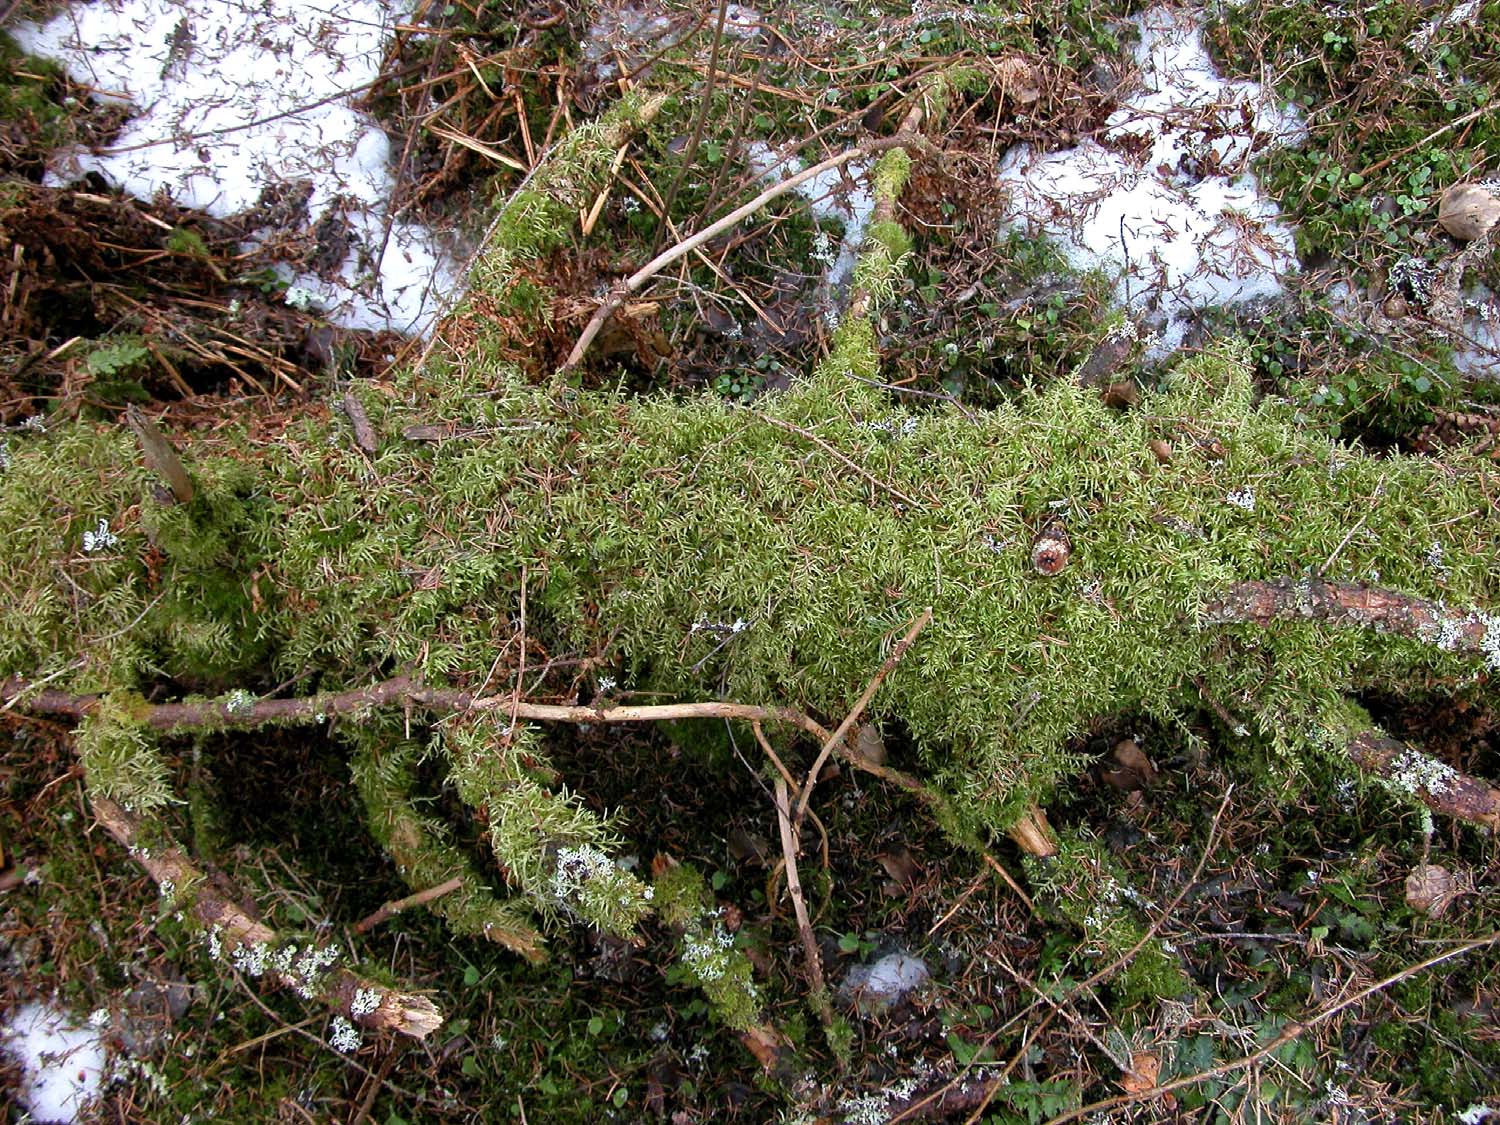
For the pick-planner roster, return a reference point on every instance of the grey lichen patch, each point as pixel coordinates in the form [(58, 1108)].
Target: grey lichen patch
[(1414, 774)]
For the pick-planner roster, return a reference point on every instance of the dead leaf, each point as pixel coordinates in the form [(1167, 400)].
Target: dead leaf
[(899, 865), (747, 847), (868, 744), (1144, 1068), (1129, 768), (1018, 80), (1430, 889)]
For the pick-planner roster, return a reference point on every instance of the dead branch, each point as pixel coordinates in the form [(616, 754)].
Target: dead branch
[(838, 736), (357, 998), (1436, 784), (396, 906), (789, 848), (1350, 603), (635, 281), (885, 208)]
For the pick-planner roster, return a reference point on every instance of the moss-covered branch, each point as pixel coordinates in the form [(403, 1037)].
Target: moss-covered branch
[(1362, 606), (252, 946)]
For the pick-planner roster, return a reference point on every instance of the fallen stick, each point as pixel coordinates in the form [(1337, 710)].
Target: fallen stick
[(255, 948), (635, 281), (1436, 784)]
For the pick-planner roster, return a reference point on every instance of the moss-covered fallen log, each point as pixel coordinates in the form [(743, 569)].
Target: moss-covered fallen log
[(1198, 547)]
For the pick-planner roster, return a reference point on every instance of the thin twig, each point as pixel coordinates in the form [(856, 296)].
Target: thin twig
[(858, 709), (799, 906), (635, 281), (396, 906), (839, 457)]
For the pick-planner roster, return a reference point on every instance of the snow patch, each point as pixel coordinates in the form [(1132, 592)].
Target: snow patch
[(1477, 349), (1163, 201), (234, 97), (63, 1065), (877, 986)]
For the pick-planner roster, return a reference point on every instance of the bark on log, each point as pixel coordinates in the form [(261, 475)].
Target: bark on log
[(1349, 603)]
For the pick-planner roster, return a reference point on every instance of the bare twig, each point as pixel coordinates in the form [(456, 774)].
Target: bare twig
[(396, 906), (857, 710), (799, 906), (635, 281), (705, 99)]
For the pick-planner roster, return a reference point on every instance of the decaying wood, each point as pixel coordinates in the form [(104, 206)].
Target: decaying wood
[(1032, 834), (360, 1000), (1350, 603), (1436, 784)]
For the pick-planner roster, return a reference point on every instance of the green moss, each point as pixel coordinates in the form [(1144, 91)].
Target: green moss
[(891, 172), (424, 853), (554, 849), (119, 756), (29, 98), (1087, 889)]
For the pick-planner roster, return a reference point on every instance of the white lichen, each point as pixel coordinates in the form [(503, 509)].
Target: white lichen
[(1414, 773), (343, 1036), (250, 958), (100, 539), (365, 1001), (239, 701)]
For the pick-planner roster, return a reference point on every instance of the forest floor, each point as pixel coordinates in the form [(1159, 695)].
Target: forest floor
[(1271, 170)]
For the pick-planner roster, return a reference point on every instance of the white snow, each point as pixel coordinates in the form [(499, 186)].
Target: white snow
[(1164, 202), (63, 1065), (842, 194), (877, 986), (232, 96)]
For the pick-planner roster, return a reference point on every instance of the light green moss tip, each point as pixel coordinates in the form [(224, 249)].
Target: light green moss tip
[(892, 171)]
